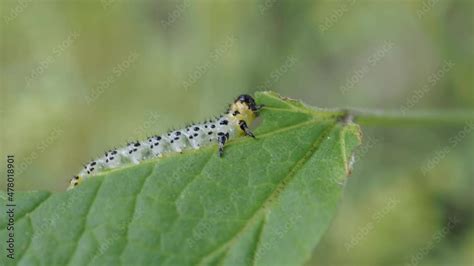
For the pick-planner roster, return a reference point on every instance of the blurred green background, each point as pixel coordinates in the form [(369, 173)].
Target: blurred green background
[(79, 77)]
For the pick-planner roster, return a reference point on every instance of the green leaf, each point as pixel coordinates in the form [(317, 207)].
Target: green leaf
[(267, 202)]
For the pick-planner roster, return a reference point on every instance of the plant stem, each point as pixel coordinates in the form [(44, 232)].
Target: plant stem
[(418, 118)]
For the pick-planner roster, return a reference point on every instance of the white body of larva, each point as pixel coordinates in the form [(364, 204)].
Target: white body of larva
[(230, 125)]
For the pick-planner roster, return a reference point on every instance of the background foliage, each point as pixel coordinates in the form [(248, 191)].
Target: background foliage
[(80, 77)]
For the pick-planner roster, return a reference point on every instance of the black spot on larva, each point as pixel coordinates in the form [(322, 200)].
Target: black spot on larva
[(176, 138), (135, 150), (137, 144), (196, 129), (93, 163), (178, 133), (224, 122), (213, 126), (107, 160), (236, 113), (75, 184), (112, 157), (195, 134), (156, 144), (172, 141), (92, 169), (190, 137), (187, 129), (209, 133), (75, 177), (220, 133), (130, 152), (205, 126), (158, 138), (114, 152)]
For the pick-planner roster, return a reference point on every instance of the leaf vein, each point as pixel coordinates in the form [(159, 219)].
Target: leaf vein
[(30, 211), (29, 240), (134, 208), (284, 181), (184, 188), (83, 229)]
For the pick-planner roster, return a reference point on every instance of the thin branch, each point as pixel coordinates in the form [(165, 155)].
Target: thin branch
[(412, 118)]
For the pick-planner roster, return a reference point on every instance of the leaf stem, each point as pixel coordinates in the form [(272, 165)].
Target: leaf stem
[(413, 118)]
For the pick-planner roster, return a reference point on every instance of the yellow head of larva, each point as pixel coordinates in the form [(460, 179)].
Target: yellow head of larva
[(244, 108)]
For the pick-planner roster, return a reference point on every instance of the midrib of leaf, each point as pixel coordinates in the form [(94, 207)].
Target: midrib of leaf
[(268, 201), (259, 237)]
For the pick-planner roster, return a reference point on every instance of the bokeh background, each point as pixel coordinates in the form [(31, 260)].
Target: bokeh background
[(79, 77)]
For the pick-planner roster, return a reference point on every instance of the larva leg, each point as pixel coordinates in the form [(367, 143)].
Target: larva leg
[(258, 107), (222, 138), (245, 128)]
